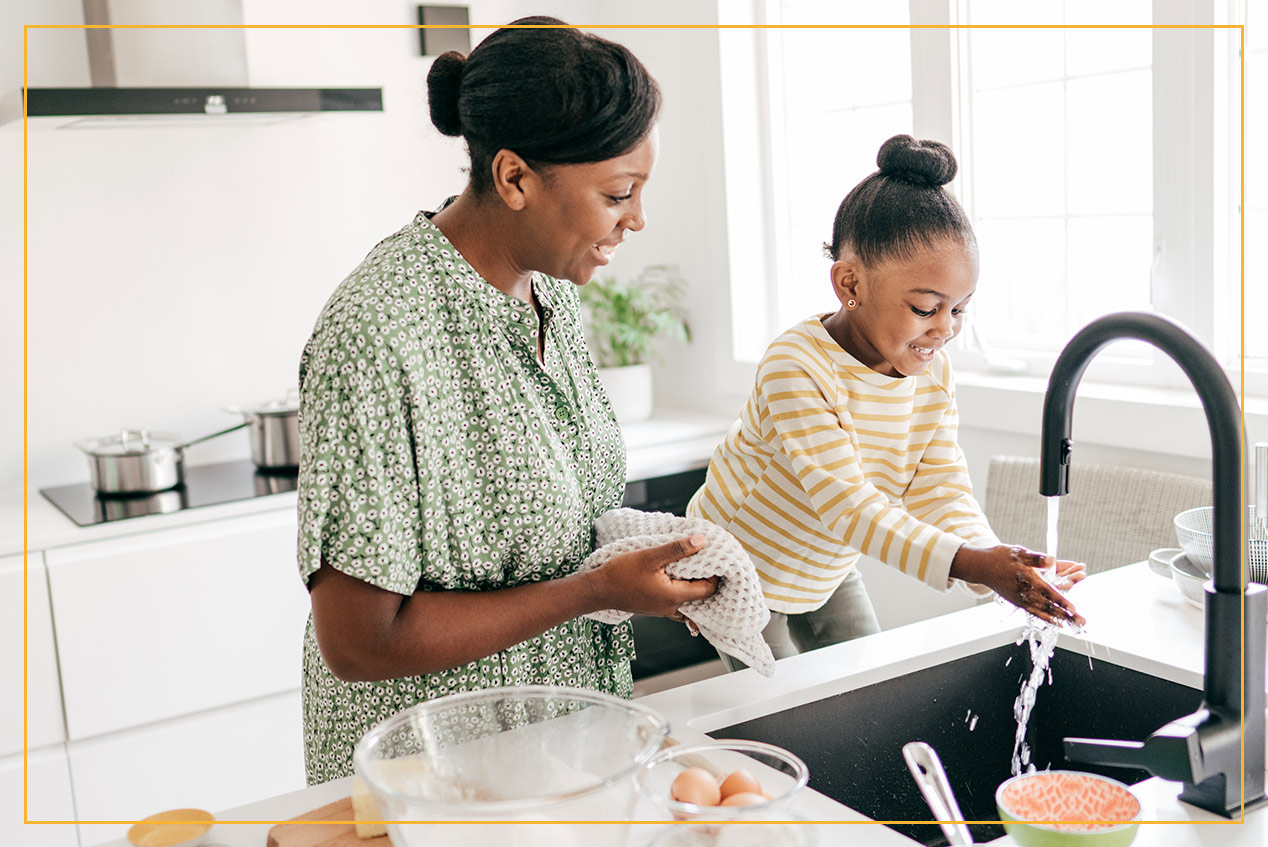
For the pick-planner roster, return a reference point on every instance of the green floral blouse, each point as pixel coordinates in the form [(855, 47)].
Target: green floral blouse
[(439, 454)]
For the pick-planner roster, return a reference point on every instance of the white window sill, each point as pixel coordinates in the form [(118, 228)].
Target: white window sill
[(1142, 418)]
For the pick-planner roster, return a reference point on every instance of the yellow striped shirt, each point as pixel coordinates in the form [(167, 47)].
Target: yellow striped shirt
[(829, 459)]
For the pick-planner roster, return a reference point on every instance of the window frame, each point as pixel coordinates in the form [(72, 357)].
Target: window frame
[(1196, 180)]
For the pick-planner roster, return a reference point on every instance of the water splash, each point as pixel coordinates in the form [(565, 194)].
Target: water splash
[(1041, 637)]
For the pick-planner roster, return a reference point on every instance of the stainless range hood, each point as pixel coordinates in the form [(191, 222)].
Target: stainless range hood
[(154, 74)]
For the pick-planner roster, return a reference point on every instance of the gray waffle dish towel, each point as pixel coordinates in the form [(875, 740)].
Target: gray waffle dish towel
[(733, 618)]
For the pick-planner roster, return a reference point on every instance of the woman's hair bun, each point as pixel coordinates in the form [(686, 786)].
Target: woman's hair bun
[(444, 81), (927, 163)]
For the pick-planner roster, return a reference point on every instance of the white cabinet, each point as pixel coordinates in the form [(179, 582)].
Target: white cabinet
[(177, 621), (215, 760), (44, 725), (47, 798)]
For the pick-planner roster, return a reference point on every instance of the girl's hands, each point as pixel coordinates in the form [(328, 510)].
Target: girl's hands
[(1069, 572), (636, 582), (1014, 574)]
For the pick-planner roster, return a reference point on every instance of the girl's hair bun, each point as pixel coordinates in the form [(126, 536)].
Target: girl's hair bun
[(443, 83), (926, 163)]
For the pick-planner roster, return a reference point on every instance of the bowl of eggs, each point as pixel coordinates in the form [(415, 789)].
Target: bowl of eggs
[(722, 780)]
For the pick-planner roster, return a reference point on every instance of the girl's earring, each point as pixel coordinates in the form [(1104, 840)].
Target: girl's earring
[(851, 303)]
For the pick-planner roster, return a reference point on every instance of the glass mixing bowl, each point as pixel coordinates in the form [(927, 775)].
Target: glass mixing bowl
[(527, 761)]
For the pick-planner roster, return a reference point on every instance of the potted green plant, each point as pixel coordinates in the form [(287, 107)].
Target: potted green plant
[(623, 322)]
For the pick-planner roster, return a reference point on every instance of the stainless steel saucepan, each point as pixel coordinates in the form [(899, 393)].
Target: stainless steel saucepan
[(274, 432), (137, 461)]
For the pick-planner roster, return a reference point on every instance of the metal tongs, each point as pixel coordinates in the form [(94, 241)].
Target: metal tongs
[(926, 769)]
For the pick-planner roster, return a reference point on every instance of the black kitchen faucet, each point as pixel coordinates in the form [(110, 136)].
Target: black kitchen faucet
[(1203, 750)]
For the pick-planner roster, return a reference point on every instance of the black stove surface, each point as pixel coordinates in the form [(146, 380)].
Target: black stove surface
[(204, 485)]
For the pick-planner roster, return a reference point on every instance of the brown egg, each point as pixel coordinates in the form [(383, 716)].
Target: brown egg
[(740, 782), (744, 798), (696, 786)]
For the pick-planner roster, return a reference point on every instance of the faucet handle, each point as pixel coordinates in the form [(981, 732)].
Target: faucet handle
[(1173, 752)]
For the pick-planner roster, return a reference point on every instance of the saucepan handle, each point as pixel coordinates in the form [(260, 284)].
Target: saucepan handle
[(202, 438)]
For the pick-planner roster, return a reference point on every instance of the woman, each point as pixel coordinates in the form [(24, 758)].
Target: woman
[(457, 445)]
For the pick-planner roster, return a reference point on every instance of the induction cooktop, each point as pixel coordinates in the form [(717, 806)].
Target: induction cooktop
[(204, 485)]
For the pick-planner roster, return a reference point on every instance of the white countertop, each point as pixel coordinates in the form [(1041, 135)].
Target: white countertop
[(670, 442), (1135, 619)]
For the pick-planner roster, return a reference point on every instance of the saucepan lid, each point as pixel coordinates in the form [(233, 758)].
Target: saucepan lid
[(129, 442), (287, 405)]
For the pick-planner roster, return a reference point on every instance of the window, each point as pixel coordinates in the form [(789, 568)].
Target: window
[(1091, 152), (1256, 188), (1058, 162), (845, 91)]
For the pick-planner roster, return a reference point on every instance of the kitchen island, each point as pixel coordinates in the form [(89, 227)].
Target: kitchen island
[(1135, 620)]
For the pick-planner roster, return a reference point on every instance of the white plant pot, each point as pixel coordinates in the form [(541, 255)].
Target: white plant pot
[(630, 390)]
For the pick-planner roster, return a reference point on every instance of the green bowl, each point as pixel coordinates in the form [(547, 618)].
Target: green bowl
[(1079, 810)]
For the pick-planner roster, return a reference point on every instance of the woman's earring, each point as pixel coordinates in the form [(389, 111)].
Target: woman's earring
[(851, 303)]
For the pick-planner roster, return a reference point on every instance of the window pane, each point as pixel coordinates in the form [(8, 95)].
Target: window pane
[(828, 155), (1256, 129), (835, 12), (1256, 29), (1061, 175), (844, 92), (1254, 310), (1108, 261), (1003, 57), (1256, 290), (840, 68), (1089, 51), (1111, 143), (1020, 299), (1014, 172)]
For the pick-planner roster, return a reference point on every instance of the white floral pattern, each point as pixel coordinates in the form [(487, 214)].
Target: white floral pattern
[(439, 454)]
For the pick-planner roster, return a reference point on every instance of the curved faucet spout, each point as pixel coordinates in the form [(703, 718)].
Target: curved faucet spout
[(1223, 417), (1201, 750)]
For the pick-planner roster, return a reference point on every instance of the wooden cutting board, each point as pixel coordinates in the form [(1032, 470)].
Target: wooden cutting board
[(303, 832)]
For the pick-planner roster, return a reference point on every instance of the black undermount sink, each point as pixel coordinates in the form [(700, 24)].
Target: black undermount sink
[(853, 741)]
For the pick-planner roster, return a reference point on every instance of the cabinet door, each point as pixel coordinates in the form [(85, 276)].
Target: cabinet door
[(213, 761), (43, 696), (48, 798), (168, 623)]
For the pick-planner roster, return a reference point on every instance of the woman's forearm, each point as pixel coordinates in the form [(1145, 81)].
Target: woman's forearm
[(367, 633)]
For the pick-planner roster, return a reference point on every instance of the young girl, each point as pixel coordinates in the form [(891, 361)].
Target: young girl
[(847, 445)]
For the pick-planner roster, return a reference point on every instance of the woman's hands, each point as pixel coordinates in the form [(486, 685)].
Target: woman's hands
[(637, 582), (1014, 574)]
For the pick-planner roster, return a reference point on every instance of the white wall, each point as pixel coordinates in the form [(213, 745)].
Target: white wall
[(174, 271)]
